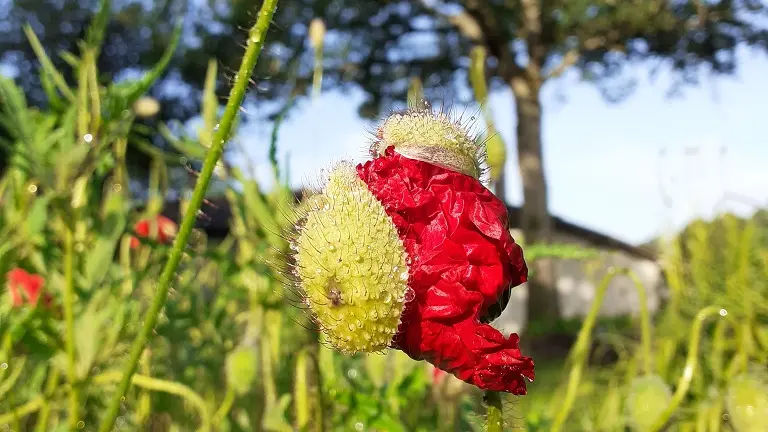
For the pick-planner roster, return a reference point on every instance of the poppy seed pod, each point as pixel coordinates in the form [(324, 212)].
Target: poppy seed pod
[(351, 265), (423, 135)]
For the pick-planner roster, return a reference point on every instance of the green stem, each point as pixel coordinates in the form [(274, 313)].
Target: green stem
[(691, 363), (581, 351), (254, 45), (159, 385), (24, 410), (301, 391), (45, 409), (495, 417), (645, 323), (69, 322), (225, 407)]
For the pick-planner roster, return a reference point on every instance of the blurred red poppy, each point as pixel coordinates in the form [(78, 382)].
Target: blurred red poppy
[(26, 288), (163, 231)]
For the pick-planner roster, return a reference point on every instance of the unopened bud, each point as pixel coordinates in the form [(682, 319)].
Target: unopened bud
[(241, 369), (649, 396), (352, 265), (146, 106), (423, 135), (316, 33), (747, 403)]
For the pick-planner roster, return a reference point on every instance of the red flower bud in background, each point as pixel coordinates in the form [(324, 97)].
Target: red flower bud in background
[(161, 229), (26, 288)]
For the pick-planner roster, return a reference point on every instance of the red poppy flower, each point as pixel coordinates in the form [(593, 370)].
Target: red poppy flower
[(164, 232), (26, 288), (462, 258)]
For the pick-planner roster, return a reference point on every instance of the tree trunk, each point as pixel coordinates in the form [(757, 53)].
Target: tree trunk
[(535, 220)]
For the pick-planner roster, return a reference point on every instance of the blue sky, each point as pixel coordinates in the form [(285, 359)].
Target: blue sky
[(603, 161)]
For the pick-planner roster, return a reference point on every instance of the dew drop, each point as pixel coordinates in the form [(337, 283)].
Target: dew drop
[(88, 138), (4, 366), (359, 426), (404, 275), (387, 297), (352, 373), (32, 188), (359, 324), (80, 424), (409, 295)]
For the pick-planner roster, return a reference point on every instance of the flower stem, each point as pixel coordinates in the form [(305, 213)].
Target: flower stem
[(645, 323), (254, 45), (495, 415), (45, 409), (69, 322), (691, 363), (24, 410), (581, 351), (169, 387), (225, 407)]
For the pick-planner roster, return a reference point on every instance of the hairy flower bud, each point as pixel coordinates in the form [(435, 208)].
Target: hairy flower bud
[(423, 135), (241, 369), (351, 265), (747, 403), (649, 396)]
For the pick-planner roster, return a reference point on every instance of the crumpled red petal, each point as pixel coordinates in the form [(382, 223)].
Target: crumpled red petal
[(462, 259)]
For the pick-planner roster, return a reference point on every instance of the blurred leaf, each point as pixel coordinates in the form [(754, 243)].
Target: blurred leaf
[(210, 106), (47, 64), (94, 36), (36, 218), (275, 417), (15, 118), (121, 96), (101, 255)]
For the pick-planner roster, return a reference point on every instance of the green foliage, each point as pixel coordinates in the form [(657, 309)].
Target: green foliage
[(233, 351)]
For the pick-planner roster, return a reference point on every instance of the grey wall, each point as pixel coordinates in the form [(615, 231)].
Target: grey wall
[(577, 282)]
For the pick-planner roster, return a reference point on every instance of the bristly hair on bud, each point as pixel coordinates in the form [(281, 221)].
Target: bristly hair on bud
[(351, 264), (435, 137)]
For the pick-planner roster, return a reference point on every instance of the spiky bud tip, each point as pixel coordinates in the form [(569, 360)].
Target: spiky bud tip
[(351, 265), (424, 135)]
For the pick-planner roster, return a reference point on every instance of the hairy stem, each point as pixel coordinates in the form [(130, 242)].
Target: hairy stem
[(495, 416), (254, 45)]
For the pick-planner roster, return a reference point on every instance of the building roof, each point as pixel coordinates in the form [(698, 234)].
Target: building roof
[(215, 216)]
